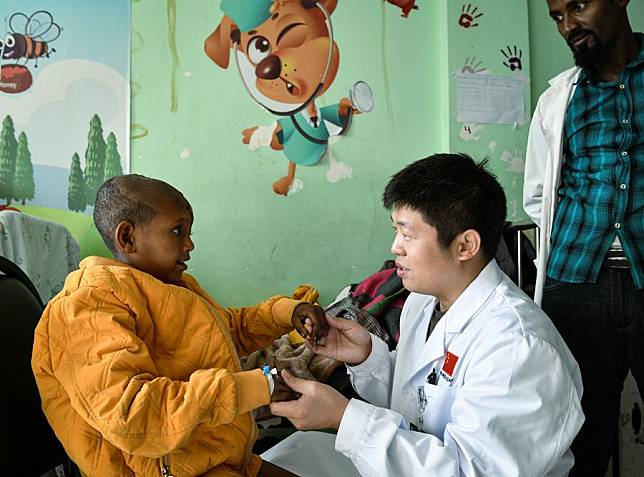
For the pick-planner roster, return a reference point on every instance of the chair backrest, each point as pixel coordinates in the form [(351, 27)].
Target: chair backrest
[(516, 255), (30, 446)]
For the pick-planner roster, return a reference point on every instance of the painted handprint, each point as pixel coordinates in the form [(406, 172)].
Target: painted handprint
[(512, 58), (515, 162), (473, 65), (468, 132), (468, 16)]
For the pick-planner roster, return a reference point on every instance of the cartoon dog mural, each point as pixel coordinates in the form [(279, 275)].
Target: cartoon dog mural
[(286, 57)]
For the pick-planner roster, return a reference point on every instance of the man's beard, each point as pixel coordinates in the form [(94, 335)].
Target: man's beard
[(586, 56)]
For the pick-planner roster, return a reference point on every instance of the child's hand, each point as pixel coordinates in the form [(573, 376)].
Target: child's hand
[(310, 322), (281, 391)]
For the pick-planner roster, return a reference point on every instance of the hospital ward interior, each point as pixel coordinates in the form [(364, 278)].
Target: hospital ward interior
[(198, 272)]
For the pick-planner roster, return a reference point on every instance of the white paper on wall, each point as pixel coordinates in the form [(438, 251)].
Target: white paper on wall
[(489, 99)]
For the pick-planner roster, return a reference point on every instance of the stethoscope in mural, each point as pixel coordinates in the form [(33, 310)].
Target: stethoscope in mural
[(287, 57), (28, 39)]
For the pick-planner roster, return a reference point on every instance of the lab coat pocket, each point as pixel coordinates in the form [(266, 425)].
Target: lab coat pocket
[(439, 408)]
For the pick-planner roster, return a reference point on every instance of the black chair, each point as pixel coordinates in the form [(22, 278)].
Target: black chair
[(30, 446), (515, 255)]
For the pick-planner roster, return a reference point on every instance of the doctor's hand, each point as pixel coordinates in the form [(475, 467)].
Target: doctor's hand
[(346, 340), (281, 391), (310, 322), (319, 406)]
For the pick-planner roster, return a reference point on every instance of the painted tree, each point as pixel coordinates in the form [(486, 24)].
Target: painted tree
[(76, 190), (8, 155), (112, 158), (24, 185), (94, 159)]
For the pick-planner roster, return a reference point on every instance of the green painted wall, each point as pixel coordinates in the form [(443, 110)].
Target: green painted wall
[(502, 25), (251, 243)]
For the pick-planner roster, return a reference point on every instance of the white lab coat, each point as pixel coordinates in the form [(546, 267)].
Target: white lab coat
[(544, 158), (509, 407)]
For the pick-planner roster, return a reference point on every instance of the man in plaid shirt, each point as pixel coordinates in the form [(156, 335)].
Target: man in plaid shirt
[(584, 187)]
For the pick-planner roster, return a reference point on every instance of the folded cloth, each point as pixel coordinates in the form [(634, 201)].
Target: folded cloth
[(46, 251), (382, 295), (298, 359), (290, 352)]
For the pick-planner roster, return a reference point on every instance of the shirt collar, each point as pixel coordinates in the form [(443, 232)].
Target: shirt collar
[(640, 57)]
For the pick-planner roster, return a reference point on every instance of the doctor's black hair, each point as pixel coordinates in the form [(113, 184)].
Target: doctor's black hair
[(128, 197), (452, 193)]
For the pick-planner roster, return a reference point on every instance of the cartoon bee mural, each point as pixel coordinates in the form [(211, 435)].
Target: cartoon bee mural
[(28, 39)]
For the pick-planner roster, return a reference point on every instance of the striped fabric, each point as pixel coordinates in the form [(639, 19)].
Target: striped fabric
[(601, 195)]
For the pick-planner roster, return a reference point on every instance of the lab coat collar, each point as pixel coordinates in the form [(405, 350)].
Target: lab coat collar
[(563, 79), (473, 298), (431, 350), (455, 319)]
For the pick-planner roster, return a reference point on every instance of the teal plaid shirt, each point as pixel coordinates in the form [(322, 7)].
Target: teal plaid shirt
[(602, 178)]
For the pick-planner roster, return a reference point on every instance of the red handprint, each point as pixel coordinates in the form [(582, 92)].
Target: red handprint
[(468, 16)]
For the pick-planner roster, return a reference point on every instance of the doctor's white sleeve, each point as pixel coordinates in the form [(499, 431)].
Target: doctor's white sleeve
[(535, 167), (513, 416), (372, 379)]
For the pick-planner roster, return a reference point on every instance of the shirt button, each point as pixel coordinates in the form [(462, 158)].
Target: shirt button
[(624, 153), (624, 121), (618, 225), (622, 186), (621, 86)]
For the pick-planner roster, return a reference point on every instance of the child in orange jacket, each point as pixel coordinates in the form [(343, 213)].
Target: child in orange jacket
[(138, 367)]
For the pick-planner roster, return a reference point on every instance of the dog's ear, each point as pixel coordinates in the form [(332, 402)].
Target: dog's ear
[(329, 5), (218, 44)]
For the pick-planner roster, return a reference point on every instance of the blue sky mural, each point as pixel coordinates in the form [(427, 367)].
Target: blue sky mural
[(82, 73)]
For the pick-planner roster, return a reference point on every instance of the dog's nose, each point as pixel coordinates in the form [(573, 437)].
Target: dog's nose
[(269, 68)]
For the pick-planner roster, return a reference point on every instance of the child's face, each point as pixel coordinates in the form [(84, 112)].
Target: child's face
[(164, 245)]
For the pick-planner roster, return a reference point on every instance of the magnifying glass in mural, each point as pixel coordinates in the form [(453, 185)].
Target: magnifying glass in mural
[(362, 101), (361, 97)]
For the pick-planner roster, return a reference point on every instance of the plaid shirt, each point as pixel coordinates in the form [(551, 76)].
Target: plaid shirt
[(602, 178)]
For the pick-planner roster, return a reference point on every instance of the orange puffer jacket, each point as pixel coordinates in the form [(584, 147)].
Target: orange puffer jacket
[(135, 374)]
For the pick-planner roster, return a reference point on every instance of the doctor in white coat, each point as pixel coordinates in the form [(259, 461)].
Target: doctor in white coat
[(481, 383)]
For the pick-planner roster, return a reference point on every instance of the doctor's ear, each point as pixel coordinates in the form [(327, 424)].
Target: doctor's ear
[(124, 237), (467, 244)]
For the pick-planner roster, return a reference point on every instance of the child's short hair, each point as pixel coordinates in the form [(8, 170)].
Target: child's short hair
[(128, 197), (452, 193)]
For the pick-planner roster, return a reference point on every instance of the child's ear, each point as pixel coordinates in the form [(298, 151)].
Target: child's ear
[(124, 237)]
